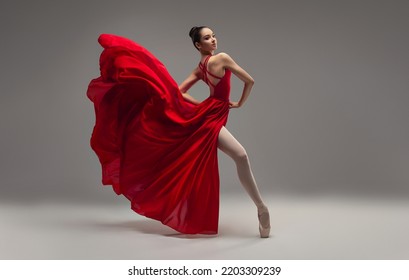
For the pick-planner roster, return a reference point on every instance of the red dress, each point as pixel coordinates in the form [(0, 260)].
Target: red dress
[(155, 148)]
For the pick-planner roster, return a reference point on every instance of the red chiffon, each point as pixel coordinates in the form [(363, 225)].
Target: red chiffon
[(155, 148)]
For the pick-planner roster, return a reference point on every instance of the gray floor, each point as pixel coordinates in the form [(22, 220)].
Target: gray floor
[(314, 228)]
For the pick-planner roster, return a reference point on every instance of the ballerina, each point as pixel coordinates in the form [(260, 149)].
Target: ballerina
[(212, 69), (157, 145)]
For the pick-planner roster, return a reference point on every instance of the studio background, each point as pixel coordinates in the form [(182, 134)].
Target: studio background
[(325, 127), (328, 112)]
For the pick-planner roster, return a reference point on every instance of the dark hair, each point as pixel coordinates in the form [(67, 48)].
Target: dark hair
[(194, 33)]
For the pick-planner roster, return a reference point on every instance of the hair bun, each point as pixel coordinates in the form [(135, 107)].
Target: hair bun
[(192, 31)]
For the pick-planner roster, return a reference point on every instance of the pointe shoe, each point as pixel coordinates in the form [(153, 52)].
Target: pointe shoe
[(264, 222)]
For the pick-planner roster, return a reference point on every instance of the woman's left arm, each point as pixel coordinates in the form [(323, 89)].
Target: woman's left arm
[(187, 84), (229, 63)]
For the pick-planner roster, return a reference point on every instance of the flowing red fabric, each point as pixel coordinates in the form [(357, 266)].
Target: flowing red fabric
[(155, 148)]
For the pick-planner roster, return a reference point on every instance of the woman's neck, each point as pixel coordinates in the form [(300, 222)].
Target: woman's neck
[(204, 54)]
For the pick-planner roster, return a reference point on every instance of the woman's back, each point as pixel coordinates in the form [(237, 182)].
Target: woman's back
[(219, 84)]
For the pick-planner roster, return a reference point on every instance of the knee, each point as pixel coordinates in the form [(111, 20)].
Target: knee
[(241, 156)]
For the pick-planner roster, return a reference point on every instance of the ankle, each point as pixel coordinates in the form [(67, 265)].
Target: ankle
[(261, 207)]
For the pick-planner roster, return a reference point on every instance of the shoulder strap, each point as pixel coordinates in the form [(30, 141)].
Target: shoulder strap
[(205, 68), (205, 62)]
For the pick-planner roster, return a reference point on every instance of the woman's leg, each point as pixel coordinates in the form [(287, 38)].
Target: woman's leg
[(229, 145)]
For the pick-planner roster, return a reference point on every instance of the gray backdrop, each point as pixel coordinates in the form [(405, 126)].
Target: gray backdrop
[(328, 112)]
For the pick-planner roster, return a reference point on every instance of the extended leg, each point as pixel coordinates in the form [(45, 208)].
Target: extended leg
[(229, 145)]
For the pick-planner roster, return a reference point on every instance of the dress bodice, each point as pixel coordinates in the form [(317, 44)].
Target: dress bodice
[(222, 89)]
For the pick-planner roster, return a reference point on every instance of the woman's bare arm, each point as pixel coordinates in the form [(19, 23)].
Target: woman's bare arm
[(187, 84), (229, 63)]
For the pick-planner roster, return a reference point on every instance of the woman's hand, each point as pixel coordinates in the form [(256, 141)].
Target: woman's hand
[(234, 104)]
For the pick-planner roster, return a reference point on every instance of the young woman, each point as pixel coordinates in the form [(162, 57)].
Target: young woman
[(157, 145), (215, 69)]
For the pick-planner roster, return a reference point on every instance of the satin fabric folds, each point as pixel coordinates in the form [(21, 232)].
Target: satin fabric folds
[(155, 148)]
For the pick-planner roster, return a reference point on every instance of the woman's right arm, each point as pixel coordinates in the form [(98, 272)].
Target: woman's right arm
[(187, 84), (229, 63)]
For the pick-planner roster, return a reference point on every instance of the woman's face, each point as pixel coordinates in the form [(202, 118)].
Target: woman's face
[(208, 41)]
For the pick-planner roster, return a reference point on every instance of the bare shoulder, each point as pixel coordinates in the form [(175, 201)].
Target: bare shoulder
[(198, 72), (223, 57), (225, 60)]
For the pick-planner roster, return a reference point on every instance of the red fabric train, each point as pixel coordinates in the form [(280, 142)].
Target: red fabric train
[(155, 148)]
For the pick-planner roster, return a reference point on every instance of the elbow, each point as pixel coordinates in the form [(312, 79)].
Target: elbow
[(250, 81)]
